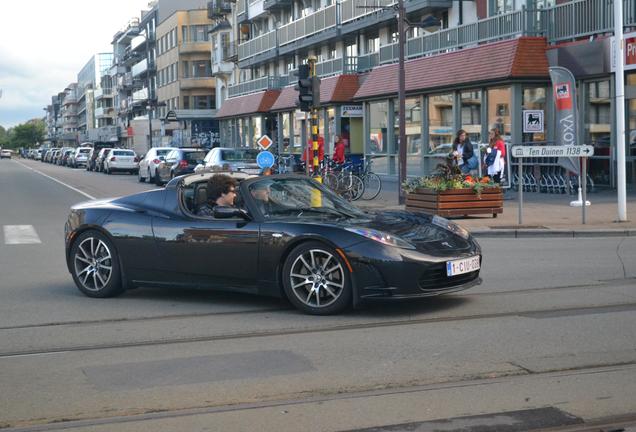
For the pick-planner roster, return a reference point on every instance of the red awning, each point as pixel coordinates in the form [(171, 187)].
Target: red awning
[(518, 58), (260, 102), (337, 89)]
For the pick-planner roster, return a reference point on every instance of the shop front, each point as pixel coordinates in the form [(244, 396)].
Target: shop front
[(467, 89), (337, 115), (244, 119)]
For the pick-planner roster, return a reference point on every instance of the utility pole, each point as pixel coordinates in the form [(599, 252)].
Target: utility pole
[(621, 181), (314, 118), (402, 103)]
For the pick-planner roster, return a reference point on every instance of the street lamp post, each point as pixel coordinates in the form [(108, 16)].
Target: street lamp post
[(402, 103)]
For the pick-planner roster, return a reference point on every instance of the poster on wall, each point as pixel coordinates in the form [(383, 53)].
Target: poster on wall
[(629, 60)]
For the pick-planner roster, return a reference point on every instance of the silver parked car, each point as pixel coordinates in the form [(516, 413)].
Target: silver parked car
[(121, 160), (232, 159), (148, 164)]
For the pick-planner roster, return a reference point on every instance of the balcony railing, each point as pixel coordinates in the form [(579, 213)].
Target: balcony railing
[(218, 8), (354, 9), (229, 51), (307, 26), (258, 84), (140, 96), (257, 45)]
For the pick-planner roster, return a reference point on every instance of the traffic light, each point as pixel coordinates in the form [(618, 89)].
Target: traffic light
[(308, 88)]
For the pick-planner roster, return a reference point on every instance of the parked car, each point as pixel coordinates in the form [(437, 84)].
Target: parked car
[(99, 160), (231, 159), (178, 162), (148, 164), (65, 155), (79, 157), (5, 154), (121, 160), (56, 156), (38, 154)]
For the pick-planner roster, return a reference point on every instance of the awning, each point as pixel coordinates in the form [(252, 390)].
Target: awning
[(518, 58), (260, 102), (337, 89)]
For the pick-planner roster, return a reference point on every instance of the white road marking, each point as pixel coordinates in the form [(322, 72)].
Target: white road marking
[(20, 234), (58, 181)]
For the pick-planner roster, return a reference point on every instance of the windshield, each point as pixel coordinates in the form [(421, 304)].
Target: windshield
[(194, 157), (247, 155), (300, 198), (163, 152)]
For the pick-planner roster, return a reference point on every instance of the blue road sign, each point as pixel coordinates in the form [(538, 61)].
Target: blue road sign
[(265, 160)]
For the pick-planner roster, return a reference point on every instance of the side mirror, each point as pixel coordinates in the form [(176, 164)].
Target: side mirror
[(199, 167), (230, 212)]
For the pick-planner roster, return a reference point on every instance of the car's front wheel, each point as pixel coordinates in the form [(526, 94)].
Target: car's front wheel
[(316, 279), (95, 266)]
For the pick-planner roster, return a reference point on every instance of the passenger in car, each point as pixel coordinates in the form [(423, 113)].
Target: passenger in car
[(261, 193), (221, 192)]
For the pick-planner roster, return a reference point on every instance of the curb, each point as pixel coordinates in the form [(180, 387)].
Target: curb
[(538, 233)]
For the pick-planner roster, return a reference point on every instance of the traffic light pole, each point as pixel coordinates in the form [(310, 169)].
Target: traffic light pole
[(314, 127)]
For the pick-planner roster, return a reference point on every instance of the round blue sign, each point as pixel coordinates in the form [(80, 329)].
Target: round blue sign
[(265, 160)]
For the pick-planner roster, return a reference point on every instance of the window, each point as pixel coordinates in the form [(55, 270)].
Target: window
[(534, 99), (498, 111), (186, 102), (597, 129), (184, 34), (202, 102), (440, 120), (352, 50), (378, 113), (186, 72), (471, 114), (372, 44)]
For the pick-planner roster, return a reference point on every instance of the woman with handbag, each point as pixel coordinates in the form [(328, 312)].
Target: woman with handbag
[(462, 152)]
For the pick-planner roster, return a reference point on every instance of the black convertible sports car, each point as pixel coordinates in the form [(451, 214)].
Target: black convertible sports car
[(304, 243)]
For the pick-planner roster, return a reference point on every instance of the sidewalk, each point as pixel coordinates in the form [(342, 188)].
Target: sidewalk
[(543, 214)]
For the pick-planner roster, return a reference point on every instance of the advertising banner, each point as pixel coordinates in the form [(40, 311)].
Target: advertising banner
[(564, 92)]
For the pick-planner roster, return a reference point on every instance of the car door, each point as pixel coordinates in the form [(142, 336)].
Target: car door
[(207, 252)]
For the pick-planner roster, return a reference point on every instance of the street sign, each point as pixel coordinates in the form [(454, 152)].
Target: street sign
[(532, 121), (264, 142), (552, 151), (264, 160)]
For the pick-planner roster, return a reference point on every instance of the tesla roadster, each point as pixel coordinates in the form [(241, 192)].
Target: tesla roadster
[(297, 240)]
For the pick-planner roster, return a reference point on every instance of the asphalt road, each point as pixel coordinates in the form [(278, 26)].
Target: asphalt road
[(549, 339)]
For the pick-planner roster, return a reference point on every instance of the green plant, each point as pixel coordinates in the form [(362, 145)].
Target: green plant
[(446, 177)]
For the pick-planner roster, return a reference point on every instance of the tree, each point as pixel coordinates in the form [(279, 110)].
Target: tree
[(26, 134), (3, 137)]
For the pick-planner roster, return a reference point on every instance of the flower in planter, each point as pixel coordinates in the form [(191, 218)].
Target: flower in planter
[(448, 177)]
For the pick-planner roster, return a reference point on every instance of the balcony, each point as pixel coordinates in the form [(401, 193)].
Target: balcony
[(273, 5), (140, 96), (222, 69), (142, 67), (218, 9), (202, 47), (229, 52), (241, 11), (246, 87), (138, 43), (104, 112), (257, 45), (197, 83), (103, 93), (70, 99), (354, 9), (316, 22)]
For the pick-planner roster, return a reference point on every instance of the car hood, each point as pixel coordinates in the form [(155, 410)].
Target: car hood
[(429, 234)]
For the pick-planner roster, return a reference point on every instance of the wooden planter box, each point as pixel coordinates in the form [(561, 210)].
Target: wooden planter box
[(456, 202)]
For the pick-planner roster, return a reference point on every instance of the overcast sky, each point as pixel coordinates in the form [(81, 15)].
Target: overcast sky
[(44, 44)]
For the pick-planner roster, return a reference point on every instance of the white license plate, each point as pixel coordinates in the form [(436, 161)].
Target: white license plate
[(466, 265)]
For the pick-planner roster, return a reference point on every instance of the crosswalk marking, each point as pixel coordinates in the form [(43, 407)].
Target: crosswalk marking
[(20, 234)]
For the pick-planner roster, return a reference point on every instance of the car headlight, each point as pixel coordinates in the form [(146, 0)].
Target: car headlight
[(382, 237), (450, 226)]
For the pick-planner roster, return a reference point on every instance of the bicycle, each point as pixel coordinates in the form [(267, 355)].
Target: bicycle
[(342, 180), (372, 182), (283, 164)]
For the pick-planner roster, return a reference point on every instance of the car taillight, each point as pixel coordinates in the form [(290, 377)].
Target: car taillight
[(136, 158), (183, 164), (113, 159), (156, 161)]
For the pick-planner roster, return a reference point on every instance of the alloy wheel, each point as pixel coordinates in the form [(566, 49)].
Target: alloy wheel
[(93, 263), (317, 278)]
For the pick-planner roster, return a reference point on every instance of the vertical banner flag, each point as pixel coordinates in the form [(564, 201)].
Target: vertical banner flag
[(564, 91)]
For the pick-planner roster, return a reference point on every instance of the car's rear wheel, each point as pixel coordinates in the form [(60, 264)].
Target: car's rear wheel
[(316, 279), (95, 265)]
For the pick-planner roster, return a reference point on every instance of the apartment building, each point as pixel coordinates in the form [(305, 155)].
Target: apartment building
[(70, 123), (473, 65), (185, 85), (53, 121), (88, 81)]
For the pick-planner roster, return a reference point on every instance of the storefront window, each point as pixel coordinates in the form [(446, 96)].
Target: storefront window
[(331, 115), (378, 116), (534, 99), (499, 111), (440, 120), (257, 121), (598, 129), (413, 133), (471, 114), (245, 132), (630, 141), (299, 116), (286, 132)]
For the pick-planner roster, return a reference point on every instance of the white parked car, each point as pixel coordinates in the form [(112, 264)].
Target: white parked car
[(121, 160), (80, 157), (149, 163), (6, 153), (232, 159)]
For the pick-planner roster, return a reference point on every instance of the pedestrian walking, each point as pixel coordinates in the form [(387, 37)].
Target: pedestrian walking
[(462, 153), (494, 156)]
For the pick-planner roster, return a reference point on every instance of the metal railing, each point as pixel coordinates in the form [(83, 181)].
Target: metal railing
[(257, 45), (229, 51), (258, 84), (240, 7), (367, 62), (353, 9), (307, 26)]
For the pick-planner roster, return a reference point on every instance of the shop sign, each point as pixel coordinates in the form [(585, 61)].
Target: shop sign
[(630, 52), (351, 111), (532, 121)]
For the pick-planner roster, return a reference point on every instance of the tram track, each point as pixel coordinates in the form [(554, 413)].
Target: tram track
[(538, 312)]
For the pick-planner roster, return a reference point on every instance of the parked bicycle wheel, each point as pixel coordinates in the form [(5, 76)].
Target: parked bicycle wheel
[(354, 189), (330, 180), (372, 186)]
